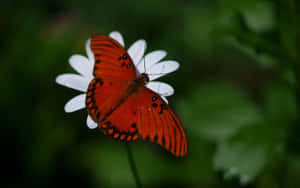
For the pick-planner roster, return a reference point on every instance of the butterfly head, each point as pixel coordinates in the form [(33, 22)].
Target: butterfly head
[(144, 78)]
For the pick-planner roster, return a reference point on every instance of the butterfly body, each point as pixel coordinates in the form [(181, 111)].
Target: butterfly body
[(124, 108)]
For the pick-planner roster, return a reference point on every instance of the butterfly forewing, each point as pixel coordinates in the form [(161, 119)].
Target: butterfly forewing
[(111, 59), (157, 123)]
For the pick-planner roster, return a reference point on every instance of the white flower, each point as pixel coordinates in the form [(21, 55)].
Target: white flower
[(151, 62)]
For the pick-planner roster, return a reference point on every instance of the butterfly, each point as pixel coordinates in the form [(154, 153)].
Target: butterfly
[(124, 108), (118, 95)]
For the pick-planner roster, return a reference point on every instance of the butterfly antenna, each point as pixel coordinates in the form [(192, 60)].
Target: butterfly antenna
[(153, 74)]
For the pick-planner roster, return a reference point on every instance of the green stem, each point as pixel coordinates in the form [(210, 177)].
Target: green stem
[(133, 167)]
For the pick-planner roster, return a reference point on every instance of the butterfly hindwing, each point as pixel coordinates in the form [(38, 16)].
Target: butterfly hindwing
[(123, 120), (102, 96), (111, 59)]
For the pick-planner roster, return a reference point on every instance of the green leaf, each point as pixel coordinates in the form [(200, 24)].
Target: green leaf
[(217, 111), (239, 159), (264, 59), (259, 16), (247, 153)]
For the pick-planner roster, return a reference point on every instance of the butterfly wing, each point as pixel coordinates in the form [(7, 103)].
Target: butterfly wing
[(146, 115), (103, 96), (113, 72), (157, 123), (111, 59)]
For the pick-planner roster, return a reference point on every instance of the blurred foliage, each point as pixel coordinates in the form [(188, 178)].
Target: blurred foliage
[(237, 93)]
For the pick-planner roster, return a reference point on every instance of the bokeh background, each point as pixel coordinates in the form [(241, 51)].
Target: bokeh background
[(237, 93)]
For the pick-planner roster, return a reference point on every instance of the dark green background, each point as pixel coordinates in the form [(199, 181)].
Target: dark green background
[(236, 92)]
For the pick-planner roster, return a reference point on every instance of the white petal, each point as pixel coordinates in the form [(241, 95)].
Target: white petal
[(76, 103), (73, 81), (137, 50), (162, 68), (165, 99), (90, 123), (82, 65), (150, 59), (118, 37), (161, 88), (90, 53)]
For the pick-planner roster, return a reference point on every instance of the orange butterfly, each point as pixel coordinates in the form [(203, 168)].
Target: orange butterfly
[(118, 100)]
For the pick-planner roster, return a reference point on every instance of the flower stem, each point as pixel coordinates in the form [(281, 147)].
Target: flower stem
[(133, 167)]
